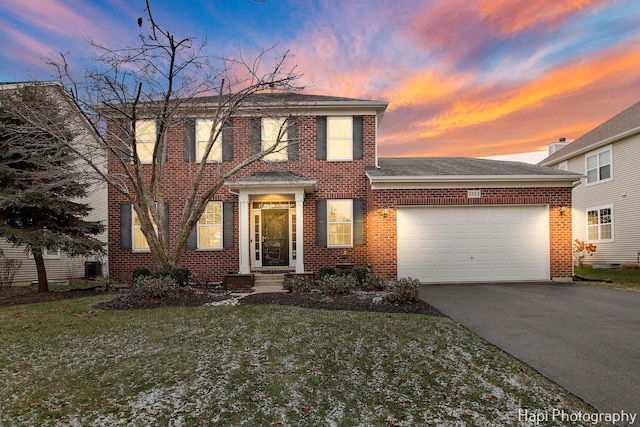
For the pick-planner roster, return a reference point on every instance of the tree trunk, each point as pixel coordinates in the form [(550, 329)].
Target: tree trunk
[(43, 283)]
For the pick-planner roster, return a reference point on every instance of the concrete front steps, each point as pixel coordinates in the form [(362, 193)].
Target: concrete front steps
[(268, 282)]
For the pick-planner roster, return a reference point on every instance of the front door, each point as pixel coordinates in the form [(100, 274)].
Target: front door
[(275, 237)]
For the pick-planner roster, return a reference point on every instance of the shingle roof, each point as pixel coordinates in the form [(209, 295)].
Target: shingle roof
[(626, 121), (459, 166), (293, 98)]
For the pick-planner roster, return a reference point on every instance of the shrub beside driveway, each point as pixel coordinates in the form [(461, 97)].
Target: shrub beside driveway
[(66, 363)]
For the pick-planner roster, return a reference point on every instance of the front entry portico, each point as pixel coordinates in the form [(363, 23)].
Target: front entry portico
[(270, 220)]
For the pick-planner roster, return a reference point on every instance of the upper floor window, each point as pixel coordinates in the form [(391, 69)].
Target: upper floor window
[(340, 223), (145, 140), (339, 138), (210, 227), (564, 166), (600, 223), (204, 132), (598, 166), (274, 133)]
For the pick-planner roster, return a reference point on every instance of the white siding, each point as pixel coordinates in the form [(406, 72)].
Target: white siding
[(623, 192)]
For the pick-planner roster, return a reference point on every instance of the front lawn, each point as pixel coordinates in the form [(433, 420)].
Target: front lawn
[(66, 363), (620, 279)]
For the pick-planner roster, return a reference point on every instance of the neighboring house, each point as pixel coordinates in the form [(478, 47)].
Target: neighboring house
[(329, 200), (61, 267), (605, 204)]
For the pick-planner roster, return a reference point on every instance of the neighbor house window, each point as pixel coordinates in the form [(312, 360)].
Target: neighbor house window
[(339, 138), (145, 140), (600, 223), (48, 253), (274, 133), (598, 166), (204, 129), (139, 240), (564, 166), (210, 227), (340, 223)]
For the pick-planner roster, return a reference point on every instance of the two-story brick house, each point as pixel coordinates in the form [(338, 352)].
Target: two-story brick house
[(329, 199)]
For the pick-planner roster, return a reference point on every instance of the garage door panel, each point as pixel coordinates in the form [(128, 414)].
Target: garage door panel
[(473, 244)]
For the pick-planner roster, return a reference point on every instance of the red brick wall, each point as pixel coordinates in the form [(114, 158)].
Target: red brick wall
[(382, 247), (334, 180)]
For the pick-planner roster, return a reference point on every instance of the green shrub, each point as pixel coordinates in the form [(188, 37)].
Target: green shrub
[(182, 276), (402, 290), (298, 283), (155, 287), (374, 283), (140, 272), (331, 284), (327, 271), (361, 274)]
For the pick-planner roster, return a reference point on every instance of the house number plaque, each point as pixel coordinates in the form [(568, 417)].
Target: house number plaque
[(474, 194)]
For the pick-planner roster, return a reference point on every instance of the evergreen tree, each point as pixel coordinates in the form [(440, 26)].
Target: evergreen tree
[(40, 182)]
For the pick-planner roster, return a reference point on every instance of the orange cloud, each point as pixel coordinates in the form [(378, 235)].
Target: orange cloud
[(514, 16), (562, 82)]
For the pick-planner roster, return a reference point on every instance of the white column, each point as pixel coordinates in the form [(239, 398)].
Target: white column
[(243, 233), (299, 232)]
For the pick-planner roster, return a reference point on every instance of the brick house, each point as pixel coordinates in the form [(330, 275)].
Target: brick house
[(330, 200)]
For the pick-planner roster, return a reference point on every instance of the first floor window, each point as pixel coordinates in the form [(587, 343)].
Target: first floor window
[(600, 223), (274, 133), (145, 140), (139, 240), (210, 227), (340, 222)]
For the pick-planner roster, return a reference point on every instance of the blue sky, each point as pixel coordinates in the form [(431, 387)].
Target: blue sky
[(463, 78)]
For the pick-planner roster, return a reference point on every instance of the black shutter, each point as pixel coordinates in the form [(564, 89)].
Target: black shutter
[(227, 225), (166, 217), (293, 137), (256, 136), (321, 223), (358, 137), (123, 148), (192, 240), (358, 222), (227, 141), (190, 140), (321, 138), (126, 235)]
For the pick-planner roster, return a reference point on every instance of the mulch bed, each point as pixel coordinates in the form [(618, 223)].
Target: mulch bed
[(196, 296)]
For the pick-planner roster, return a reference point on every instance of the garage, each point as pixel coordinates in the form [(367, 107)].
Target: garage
[(447, 244)]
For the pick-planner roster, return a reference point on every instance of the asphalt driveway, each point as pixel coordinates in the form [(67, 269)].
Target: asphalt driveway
[(585, 338)]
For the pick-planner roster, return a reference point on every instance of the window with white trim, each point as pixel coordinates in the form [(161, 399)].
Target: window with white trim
[(340, 138), (210, 227), (563, 166), (139, 241), (274, 131), (145, 140), (340, 223), (48, 253), (600, 223), (598, 166), (204, 128)]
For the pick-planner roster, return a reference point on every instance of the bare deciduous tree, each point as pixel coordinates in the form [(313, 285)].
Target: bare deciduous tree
[(158, 79)]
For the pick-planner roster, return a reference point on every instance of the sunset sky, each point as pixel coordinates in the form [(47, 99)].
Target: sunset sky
[(470, 78)]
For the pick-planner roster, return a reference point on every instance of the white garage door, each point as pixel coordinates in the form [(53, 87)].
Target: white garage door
[(473, 244)]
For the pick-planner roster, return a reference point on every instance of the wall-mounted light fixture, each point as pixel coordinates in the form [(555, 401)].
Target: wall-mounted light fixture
[(562, 210), (385, 211)]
